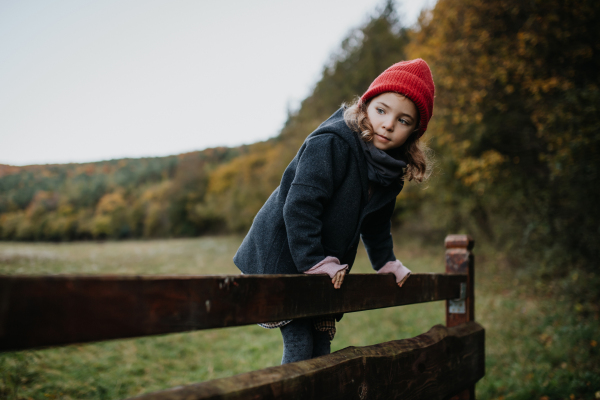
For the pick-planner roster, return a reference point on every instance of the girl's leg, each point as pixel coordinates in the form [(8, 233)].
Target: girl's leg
[(297, 340), (321, 343)]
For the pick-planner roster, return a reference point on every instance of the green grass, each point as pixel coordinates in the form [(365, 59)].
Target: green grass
[(539, 344)]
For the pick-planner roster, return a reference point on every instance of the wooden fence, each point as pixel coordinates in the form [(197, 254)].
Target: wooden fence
[(40, 311)]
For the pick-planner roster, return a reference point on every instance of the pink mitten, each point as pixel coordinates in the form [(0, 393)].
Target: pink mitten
[(396, 268), (329, 266)]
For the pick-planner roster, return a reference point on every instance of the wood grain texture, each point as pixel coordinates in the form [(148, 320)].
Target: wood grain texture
[(460, 260), (459, 242), (56, 310), (434, 365)]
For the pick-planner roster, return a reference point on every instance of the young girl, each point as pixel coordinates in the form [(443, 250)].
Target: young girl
[(342, 186)]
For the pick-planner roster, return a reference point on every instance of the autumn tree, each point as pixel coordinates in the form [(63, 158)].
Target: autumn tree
[(518, 124), (237, 190)]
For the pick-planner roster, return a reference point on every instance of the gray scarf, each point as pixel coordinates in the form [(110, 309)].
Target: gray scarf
[(382, 168)]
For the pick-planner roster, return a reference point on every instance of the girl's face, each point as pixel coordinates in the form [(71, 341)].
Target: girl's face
[(394, 118)]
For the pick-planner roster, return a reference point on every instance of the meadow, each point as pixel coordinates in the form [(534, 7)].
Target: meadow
[(539, 343)]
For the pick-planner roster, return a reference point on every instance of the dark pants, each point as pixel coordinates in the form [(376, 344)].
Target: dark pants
[(301, 341)]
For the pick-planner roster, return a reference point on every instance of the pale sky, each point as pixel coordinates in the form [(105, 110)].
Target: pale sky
[(95, 80)]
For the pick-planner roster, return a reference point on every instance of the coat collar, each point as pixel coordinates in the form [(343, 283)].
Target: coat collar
[(336, 124)]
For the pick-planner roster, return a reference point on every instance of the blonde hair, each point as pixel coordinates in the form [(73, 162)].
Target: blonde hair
[(415, 153)]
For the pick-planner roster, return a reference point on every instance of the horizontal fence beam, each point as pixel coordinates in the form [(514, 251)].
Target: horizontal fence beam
[(56, 310), (433, 366)]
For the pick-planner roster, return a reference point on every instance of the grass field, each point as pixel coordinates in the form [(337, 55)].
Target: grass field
[(539, 343)]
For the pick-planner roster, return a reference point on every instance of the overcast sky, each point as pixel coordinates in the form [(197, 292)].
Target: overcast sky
[(95, 80)]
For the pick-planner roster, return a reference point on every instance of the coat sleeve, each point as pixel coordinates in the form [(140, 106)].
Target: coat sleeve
[(320, 169), (377, 237)]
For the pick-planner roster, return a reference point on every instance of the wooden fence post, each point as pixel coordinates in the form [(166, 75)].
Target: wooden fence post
[(459, 260)]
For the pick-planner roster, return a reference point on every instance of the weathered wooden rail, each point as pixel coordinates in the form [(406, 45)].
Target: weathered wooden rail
[(446, 361)]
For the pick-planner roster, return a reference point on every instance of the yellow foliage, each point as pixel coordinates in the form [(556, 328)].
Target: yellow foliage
[(245, 170), (158, 192), (102, 226), (10, 223), (481, 170), (60, 226), (41, 203), (110, 203), (238, 189), (156, 221), (66, 209)]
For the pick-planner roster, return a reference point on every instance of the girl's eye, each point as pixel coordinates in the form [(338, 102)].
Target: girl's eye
[(380, 110), (403, 121)]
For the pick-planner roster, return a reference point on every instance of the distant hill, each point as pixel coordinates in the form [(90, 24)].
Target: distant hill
[(516, 133), (117, 198), (214, 190)]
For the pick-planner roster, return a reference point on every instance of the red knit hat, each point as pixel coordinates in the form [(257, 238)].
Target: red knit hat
[(412, 79)]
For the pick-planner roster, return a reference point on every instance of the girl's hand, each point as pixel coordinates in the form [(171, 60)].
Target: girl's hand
[(400, 271), (338, 279), (403, 280)]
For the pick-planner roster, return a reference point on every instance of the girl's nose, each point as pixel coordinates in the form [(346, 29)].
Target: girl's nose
[(388, 125)]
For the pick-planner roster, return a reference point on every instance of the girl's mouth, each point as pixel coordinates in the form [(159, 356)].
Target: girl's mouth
[(383, 137)]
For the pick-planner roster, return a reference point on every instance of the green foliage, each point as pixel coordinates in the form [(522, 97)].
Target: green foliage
[(363, 55), (516, 130), (517, 125), (237, 190), (537, 342), (148, 197)]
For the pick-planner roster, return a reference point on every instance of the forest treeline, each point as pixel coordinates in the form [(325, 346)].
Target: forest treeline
[(515, 132)]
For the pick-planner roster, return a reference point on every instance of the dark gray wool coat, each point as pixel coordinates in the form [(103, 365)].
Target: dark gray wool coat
[(321, 208)]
